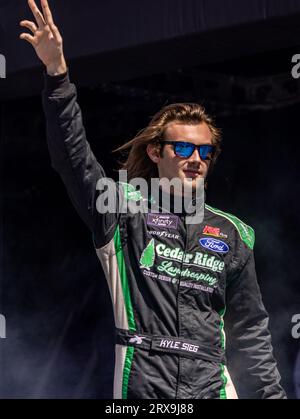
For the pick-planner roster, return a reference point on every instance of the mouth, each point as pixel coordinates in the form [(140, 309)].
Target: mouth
[(191, 173)]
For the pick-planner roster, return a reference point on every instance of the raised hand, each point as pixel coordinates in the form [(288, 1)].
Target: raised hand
[(45, 38)]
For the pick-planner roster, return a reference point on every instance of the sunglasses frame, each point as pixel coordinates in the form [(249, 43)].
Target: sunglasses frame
[(173, 143)]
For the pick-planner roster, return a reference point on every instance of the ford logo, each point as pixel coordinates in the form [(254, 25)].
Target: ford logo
[(214, 245)]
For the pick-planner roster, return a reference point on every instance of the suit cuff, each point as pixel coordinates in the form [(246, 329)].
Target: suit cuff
[(56, 84)]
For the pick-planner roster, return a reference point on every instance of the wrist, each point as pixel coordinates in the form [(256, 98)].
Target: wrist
[(57, 68)]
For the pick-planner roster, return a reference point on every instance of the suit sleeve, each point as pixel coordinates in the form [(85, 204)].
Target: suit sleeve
[(249, 340), (72, 157)]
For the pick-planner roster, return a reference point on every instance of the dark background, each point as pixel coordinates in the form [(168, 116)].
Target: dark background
[(128, 59)]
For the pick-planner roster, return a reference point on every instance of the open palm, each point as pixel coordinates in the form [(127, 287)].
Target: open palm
[(45, 36)]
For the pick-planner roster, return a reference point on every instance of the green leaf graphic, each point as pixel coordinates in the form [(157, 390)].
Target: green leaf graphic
[(148, 256)]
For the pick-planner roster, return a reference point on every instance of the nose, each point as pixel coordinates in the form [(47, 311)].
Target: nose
[(195, 156)]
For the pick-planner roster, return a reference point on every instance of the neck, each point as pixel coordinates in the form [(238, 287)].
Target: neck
[(181, 203)]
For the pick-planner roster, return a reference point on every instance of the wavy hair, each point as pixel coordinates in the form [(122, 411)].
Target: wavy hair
[(138, 163)]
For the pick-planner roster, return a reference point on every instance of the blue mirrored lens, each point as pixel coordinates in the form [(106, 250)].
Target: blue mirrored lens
[(205, 150), (184, 149)]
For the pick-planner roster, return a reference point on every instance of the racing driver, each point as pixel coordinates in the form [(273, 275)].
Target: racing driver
[(175, 285)]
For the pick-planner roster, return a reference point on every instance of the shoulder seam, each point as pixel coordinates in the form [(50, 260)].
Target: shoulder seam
[(246, 232)]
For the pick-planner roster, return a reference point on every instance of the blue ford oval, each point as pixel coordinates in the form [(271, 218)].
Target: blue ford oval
[(214, 245)]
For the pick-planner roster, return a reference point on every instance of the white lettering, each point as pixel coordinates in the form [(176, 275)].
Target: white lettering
[(190, 348), (123, 409), (107, 200), (296, 328), (296, 68), (164, 343)]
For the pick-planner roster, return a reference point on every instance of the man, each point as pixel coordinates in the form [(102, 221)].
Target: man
[(170, 280)]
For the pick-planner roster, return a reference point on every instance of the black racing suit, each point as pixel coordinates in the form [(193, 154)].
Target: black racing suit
[(170, 282)]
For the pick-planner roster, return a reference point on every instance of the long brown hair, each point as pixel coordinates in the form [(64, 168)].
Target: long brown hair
[(138, 163)]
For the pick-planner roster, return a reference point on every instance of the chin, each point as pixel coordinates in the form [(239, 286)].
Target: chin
[(194, 184)]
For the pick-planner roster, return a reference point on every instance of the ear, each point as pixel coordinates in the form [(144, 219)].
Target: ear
[(153, 152)]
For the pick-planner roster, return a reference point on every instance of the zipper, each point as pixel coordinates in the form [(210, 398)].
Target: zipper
[(178, 299)]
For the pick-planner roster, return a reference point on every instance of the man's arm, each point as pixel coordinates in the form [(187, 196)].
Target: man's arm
[(73, 159), (71, 155), (248, 337)]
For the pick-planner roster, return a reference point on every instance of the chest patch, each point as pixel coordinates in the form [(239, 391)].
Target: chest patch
[(162, 220), (214, 245)]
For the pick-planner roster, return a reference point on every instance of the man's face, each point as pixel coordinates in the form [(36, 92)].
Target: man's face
[(190, 169)]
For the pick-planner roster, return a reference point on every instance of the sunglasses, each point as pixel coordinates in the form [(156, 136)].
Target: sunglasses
[(185, 150)]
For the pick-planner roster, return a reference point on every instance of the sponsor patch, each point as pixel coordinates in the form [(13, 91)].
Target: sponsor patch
[(214, 231), (164, 234), (197, 259), (162, 220), (214, 245)]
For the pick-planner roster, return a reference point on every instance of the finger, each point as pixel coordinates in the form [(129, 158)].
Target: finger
[(50, 36), (29, 25), (47, 12), (28, 37), (55, 32), (37, 14)]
